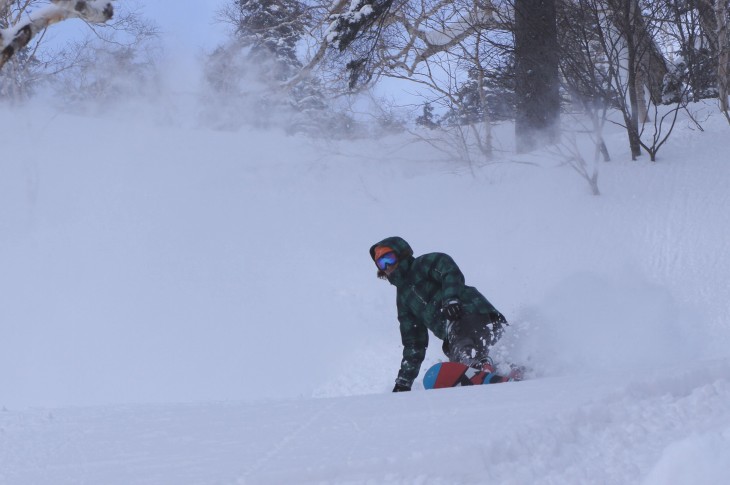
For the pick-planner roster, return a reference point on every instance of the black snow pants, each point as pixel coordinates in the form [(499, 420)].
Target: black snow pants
[(469, 338)]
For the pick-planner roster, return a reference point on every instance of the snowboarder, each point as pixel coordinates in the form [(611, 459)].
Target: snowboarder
[(431, 295)]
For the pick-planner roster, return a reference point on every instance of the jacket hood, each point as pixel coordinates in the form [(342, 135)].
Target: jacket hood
[(398, 244), (405, 255)]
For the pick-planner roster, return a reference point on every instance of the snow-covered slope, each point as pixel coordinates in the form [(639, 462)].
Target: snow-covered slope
[(144, 264), (656, 428)]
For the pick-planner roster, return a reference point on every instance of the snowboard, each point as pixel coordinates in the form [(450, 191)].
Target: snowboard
[(454, 374)]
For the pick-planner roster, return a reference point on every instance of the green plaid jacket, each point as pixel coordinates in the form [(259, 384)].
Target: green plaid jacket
[(424, 285)]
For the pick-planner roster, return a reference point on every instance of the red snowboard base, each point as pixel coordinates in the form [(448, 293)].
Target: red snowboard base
[(454, 374)]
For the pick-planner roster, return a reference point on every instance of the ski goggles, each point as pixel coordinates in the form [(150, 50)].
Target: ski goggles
[(388, 259)]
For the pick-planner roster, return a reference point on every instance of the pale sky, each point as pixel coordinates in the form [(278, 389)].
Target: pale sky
[(187, 30), (186, 24)]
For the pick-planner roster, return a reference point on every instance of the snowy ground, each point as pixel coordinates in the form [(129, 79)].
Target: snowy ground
[(658, 429), (149, 263)]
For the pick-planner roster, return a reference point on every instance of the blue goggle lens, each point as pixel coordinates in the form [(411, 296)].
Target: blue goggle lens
[(386, 260)]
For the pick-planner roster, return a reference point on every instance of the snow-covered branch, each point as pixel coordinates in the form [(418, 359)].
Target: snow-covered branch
[(16, 37)]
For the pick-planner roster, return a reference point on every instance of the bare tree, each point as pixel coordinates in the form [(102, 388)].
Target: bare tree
[(15, 37), (587, 74), (458, 92), (659, 132), (613, 52), (627, 18), (614, 60), (113, 62), (570, 152)]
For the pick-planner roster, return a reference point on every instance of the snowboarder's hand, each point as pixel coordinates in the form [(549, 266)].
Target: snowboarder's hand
[(452, 310), (401, 387)]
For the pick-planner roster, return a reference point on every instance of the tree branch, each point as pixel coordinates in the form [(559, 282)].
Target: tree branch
[(16, 37)]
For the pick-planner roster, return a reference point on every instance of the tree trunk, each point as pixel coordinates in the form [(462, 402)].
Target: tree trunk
[(723, 67), (629, 14), (709, 22), (537, 120), (641, 103), (651, 62)]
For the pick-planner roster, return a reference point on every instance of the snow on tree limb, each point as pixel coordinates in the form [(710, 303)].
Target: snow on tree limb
[(425, 29), (16, 37), (361, 15)]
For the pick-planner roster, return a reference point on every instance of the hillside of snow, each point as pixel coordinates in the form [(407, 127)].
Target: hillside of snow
[(188, 306)]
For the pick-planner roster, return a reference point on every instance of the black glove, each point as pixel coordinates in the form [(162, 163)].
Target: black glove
[(452, 310), (401, 387)]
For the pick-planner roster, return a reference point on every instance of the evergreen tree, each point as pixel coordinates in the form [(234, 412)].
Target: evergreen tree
[(271, 29), (427, 119), (257, 67), (494, 100)]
